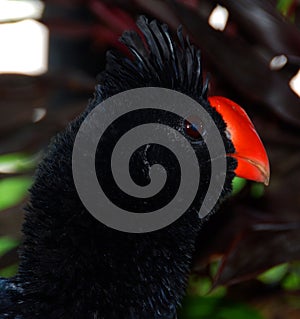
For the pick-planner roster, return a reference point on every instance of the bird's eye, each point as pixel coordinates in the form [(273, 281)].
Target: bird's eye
[(193, 127)]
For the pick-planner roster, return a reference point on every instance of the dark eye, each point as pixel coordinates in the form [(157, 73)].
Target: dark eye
[(193, 127)]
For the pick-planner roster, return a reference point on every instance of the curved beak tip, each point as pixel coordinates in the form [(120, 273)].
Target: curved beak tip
[(266, 180), (263, 174), (252, 167)]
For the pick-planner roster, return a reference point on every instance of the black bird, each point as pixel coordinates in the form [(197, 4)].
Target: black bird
[(71, 265)]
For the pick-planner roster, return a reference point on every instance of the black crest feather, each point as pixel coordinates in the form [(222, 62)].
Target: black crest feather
[(157, 61)]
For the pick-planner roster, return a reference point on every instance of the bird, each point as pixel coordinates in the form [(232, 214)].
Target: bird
[(72, 265)]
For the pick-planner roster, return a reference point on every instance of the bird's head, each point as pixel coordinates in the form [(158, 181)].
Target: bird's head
[(157, 61)]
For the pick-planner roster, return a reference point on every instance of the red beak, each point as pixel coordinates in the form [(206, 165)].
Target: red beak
[(253, 163)]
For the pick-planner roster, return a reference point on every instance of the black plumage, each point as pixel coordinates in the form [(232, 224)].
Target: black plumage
[(72, 266)]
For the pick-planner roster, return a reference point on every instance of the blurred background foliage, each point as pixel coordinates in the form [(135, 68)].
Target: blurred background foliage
[(248, 256)]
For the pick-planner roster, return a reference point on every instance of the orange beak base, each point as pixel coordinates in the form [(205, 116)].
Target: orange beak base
[(253, 163)]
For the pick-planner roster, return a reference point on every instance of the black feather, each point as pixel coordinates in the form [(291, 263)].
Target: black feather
[(72, 266)]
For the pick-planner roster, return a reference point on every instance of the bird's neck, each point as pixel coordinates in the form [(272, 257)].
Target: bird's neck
[(102, 273), (72, 266)]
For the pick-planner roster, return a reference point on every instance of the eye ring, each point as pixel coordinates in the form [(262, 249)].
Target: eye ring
[(193, 127)]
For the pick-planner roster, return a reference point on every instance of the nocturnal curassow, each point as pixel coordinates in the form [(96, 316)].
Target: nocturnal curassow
[(73, 266)]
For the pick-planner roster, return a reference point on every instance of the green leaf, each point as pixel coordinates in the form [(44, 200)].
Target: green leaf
[(257, 190), (215, 308), (7, 244), (219, 291), (292, 280), (195, 308), (9, 271), (17, 162), (284, 5), (203, 286), (274, 274), (239, 311), (237, 185), (200, 286), (13, 190)]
